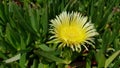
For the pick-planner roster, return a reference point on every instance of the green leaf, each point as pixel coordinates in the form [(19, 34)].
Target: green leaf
[(2, 55), (35, 64), (34, 18), (12, 59), (11, 37), (44, 20), (111, 58), (41, 65), (20, 15), (100, 58), (22, 61), (53, 65), (45, 48), (23, 44), (88, 64), (2, 66), (51, 57)]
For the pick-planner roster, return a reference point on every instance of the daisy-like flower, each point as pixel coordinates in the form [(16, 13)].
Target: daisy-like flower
[(72, 30)]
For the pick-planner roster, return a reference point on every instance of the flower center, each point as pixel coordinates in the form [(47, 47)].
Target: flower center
[(72, 34)]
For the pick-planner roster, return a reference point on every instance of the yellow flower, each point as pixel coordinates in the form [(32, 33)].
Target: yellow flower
[(72, 30)]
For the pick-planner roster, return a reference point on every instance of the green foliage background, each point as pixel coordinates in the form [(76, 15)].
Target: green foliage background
[(24, 31)]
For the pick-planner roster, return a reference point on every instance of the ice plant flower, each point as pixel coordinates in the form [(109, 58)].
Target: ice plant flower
[(72, 30)]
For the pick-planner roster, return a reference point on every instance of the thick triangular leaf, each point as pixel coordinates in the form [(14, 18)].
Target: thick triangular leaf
[(111, 58), (12, 59)]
